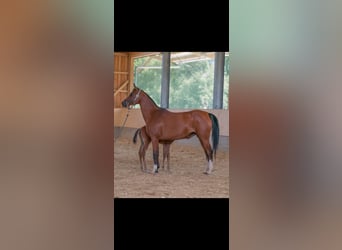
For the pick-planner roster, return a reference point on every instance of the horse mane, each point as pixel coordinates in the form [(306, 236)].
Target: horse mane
[(149, 97)]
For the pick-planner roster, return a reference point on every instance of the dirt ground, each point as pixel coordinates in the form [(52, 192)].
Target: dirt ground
[(186, 180)]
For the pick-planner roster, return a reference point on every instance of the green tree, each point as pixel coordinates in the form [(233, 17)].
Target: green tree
[(147, 76), (191, 84)]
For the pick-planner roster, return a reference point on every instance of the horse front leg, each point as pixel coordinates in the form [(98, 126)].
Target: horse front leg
[(155, 145)]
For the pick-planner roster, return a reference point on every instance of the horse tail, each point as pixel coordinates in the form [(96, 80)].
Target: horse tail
[(215, 134), (136, 135)]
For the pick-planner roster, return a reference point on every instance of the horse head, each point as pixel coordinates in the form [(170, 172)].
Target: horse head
[(133, 98)]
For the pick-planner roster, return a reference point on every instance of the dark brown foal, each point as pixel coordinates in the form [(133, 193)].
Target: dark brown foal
[(145, 141)]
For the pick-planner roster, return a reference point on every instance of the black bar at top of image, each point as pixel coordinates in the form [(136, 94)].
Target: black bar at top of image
[(171, 223), (171, 26)]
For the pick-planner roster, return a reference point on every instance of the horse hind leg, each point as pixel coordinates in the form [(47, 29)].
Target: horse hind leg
[(208, 153), (210, 167)]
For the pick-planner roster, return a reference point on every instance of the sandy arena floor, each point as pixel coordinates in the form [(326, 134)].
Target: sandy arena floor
[(186, 180)]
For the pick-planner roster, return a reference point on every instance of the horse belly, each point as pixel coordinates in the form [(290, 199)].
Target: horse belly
[(175, 132), (172, 126)]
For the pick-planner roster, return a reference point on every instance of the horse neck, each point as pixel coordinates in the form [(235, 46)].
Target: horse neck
[(148, 107)]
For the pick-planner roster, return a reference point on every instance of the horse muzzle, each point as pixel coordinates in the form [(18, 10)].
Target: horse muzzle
[(124, 104)]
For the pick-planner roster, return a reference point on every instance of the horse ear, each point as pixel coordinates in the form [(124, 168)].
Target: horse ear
[(135, 86)]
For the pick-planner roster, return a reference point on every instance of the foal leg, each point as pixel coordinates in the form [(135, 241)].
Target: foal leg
[(164, 155), (146, 144), (141, 156), (167, 155), (155, 144), (141, 151)]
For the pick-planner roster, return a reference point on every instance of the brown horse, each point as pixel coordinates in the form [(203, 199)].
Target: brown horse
[(163, 125), (145, 141)]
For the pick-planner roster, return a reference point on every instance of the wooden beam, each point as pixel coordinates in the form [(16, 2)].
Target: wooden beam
[(121, 87), (142, 54), (121, 53)]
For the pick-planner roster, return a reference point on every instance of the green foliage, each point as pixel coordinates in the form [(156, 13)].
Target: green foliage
[(191, 84), (148, 79)]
